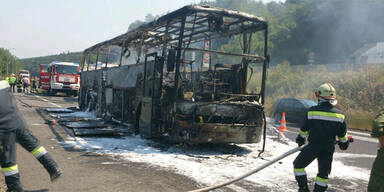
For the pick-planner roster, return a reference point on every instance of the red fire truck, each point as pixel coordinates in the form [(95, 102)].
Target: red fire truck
[(60, 77)]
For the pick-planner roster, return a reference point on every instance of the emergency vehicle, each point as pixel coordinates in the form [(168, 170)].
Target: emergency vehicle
[(60, 77), (24, 73)]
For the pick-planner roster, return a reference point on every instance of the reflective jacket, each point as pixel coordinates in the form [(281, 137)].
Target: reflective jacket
[(10, 117), (12, 80), (323, 123), (378, 125)]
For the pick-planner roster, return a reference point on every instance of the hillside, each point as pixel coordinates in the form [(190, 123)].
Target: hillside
[(32, 64), (360, 88)]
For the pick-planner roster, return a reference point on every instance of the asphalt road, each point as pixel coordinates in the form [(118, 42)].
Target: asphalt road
[(83, 171), (363, 145)]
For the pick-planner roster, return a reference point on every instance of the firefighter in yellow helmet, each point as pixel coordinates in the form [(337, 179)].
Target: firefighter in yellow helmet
[(376, 179), (323, 123)]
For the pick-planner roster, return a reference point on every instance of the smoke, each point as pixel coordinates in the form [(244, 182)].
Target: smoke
[(339, 27)]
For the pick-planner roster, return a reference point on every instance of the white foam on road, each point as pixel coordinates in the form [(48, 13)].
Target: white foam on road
[(79, 114), (212, 167)]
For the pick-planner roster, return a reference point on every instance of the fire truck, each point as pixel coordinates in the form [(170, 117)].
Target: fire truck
[(24, 73), (60, 77)]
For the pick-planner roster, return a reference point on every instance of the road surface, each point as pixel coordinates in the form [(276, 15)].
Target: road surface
[(363, 145), (85, 171)]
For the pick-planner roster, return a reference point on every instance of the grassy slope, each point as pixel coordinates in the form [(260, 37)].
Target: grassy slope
[(360, 89)]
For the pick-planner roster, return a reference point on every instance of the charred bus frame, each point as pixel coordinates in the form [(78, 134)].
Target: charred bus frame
[(166, 95)]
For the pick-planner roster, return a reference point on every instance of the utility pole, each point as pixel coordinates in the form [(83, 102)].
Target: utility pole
[(10, 63)]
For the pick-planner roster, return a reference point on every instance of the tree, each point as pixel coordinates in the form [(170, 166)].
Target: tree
[(8, 63)]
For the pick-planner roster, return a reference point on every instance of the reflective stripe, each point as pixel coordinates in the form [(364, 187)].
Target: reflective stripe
[(303, 133), (328, 116), (8, 171), (299, 171), (38, 152), (344, 139), (321, 181)]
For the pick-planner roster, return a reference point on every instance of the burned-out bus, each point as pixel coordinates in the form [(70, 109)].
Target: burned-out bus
[(194, 75)]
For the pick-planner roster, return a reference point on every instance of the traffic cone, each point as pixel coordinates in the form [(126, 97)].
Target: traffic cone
[(283, 124)]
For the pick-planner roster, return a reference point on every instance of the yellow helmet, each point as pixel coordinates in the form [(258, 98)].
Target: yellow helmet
[(326, 91)]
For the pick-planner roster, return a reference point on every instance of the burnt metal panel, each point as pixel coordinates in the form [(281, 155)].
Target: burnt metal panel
[(190, 105), (123, 77), (95, 132), (244, 23)]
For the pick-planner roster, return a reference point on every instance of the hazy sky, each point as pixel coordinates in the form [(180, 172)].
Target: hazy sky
[(31, 28)]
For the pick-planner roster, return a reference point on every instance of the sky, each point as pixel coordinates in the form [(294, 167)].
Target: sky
[(32, 28)]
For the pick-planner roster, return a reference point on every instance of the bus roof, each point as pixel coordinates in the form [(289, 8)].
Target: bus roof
[(204, 17)]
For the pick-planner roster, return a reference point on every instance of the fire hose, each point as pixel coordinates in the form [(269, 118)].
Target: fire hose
[(274, 160)]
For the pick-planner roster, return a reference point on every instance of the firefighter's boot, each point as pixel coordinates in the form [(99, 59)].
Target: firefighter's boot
[(51, 166), (319, 188), (321, 183), (15, 188), (302, 182), (13, 182)]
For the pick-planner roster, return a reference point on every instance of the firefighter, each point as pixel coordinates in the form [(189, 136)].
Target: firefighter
[(323, 123), (33, 84), (13, 128), (376, 179), (25, 82), (12, 82)]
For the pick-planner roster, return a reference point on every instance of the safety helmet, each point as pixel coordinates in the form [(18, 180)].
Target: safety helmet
[(326, 91)]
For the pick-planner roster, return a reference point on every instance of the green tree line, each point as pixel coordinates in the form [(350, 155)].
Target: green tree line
[(330, 30), (359, 88), (8, 63), (33, 64), (326, 31)]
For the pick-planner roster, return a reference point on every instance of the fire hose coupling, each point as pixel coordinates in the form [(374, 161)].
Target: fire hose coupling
[(350, 139), (343, 144)]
